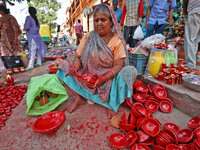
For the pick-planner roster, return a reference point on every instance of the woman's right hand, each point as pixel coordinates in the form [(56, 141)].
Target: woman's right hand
[(76, 67)]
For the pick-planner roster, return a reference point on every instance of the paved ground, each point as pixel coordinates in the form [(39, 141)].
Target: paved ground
[(89, 126)]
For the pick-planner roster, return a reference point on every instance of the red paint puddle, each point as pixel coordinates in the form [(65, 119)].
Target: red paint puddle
[(75, 132), (93, 118), (106, 127), (80, 127), (77, 146), (28, 138)]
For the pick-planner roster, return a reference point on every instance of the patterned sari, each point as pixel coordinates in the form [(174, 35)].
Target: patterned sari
[(97, 58), (9, 27)]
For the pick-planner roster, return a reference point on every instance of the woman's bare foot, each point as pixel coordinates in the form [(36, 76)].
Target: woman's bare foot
[(110, 113), (75, 104)]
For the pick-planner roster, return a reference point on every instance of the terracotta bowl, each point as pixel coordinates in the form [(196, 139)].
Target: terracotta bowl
[(151, 127), (140, 146), (161, 141), (172, 147), (142, 137), (171, 126), (142, 89), (157, 147), (160, 93), (137, 83), (145, 112), (126, 127), (158, 86), (135, 108), (197, 132), (169, 100), (185, 135), (194, 122), (151, 105), (131, 138), (197, 142), (165, 106), (118, 140), (185, 146), (172, 134), (139, 98), (49, 122), (139, 122)]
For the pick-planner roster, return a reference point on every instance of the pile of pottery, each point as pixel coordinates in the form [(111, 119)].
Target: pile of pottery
[(10, 97), (143, 132), (147, 99), (173, 74)]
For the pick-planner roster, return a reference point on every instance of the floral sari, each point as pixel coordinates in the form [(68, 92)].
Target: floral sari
[(97, 58), (9, 27)]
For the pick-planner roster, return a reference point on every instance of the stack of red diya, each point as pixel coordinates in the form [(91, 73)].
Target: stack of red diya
[(172, 75)]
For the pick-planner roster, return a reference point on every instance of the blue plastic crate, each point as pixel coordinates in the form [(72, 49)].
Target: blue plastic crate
[(139, 61)]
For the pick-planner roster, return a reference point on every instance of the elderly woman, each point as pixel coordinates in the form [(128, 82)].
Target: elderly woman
[(102, 52), (9, 33)]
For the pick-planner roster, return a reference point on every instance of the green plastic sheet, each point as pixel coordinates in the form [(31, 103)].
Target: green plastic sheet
[(51, 83)]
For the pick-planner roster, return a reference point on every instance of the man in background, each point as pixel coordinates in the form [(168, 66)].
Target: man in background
[(79, 32), (133, 11), (118, 11), (192, 31), (157, 15)]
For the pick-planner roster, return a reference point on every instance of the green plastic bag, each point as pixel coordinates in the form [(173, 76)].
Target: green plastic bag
[(51, 83)]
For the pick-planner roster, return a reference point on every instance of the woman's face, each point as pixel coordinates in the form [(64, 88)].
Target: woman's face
[(102, 23)]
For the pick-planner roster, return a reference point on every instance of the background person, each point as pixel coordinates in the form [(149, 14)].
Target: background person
[(36, 45), (10, 31), (192, 31), (101, 52), (79, 32), (157, 13), (117, 11), (133, 11)]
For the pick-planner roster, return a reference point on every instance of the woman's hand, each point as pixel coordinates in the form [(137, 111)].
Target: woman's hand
[(100, 80), (76, 67)]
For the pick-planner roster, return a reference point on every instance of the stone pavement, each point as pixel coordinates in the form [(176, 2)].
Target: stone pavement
[(89, 125)]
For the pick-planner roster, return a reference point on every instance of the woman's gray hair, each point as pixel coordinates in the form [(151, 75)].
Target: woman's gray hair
[(103, 8)]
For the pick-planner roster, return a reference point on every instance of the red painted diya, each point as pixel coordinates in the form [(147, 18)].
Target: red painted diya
[(172, 147), (142, 89), (160, 93), (157, 147), (118, 140), (131, 137), (139, 98), (49, 122), (137, 83), (151, 105), (151, 127), (127, 124), (194, 122), (172, 126), (140, 146), (185, 135), (165, 106), (197, 132), (145, 138)]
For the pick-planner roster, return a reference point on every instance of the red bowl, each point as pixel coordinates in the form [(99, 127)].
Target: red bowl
[(151, 105), (142, 136), (197, 142), (157, 147), (151, 127), (137, 83), (127, 127), (185, 146), (139, 98), (160, 93), (171, 126), (165, 106), (185, 135), (140, 146), (142, 89), (145, 112), (172, 147), (52, 69), (197, 132), (172, 134), (194, 122), (158, 86), (49, 122), (131, 138), (139, 122), (118, 140), (169, 100)]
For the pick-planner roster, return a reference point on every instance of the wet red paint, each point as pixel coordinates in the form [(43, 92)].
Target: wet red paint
[(93, 118), (75, 132), (47, 123), (106, 127), (97, 128)]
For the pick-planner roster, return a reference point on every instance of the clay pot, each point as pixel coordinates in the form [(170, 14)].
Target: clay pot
[(142, 89), (139, 98), (194, 122), (118, 140), (137, 83), (131, 137), (172, 147), (185, 135), (151, 127), (140, 146), (151, 105), (160, 93), (172, 126), (43, 100), (165, 106)]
